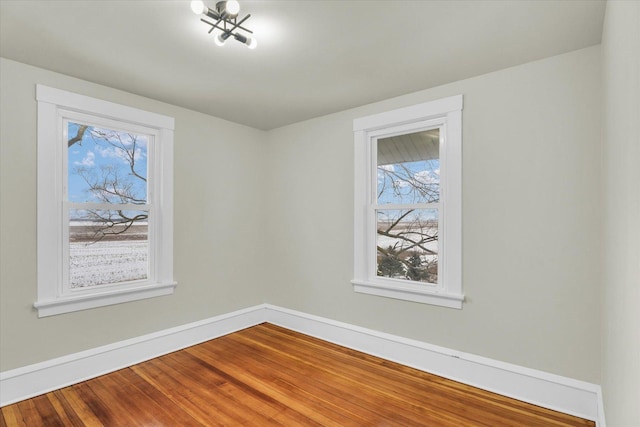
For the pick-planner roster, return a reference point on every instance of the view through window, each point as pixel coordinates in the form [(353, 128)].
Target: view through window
[(408, 197), (108, 209)]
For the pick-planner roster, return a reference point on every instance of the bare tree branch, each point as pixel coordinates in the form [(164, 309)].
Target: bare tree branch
[(413, 243), (79, 135), (110, 226)]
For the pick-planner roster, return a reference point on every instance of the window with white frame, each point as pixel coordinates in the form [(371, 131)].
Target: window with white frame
[(408, 203), (105, 203)]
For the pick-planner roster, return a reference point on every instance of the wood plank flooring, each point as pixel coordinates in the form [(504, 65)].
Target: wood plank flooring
[(267, 375)]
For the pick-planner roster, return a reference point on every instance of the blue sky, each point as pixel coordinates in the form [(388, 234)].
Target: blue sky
[(397, 182), (101, 156)]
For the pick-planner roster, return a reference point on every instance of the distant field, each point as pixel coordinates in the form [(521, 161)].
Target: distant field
[(87, 232), (114, 259)]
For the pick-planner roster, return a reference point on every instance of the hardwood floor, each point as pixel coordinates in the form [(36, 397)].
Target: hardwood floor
[(267, 375)]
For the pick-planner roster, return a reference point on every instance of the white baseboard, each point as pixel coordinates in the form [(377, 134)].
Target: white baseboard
[(540, 388), (600, 422), (550, 391), (33, 380)]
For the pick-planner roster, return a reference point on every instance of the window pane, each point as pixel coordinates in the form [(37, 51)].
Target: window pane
[(409, 168), (107, 246), (407, 242), (106, 166)]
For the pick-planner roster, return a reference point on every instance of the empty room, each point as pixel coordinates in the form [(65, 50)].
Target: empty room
[(320, 213)]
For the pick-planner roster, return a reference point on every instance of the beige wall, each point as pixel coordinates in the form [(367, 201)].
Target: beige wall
[(531, 219), (216, 226), (621, 138)]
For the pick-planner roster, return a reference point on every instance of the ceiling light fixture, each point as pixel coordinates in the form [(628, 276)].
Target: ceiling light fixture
[(225, 17)]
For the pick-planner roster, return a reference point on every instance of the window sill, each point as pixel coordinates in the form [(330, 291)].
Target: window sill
[(408, 293), (69, 304)]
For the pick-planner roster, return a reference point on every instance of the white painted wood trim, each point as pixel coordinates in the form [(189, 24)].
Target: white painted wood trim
[(600, 422), (446, 114), (413, 113), (53, 294), (66, 304), (408, 292), (82, 103), (33, 380), (540, 388), (48, 194)]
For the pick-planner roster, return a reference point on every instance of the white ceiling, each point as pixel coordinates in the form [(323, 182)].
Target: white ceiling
[(313, 57)]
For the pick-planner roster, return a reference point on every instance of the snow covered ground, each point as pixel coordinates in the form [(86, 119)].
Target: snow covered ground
[(107, 262)]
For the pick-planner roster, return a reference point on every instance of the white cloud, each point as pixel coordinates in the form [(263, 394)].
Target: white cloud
[(427, 177), (381, 171), (399, 183), (87, 161), (106, 152), (115, 153)]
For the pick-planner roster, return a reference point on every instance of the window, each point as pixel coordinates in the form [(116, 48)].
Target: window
[(105, 203), (408, 203)]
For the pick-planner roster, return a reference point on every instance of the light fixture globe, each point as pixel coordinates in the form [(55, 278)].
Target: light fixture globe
[(198, 7), (232, 7), (251, 42), (221, 38)]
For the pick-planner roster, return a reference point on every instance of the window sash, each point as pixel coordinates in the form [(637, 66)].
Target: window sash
[(375, 206), (66, 288), (373, 235), (373, 272), (108, 206), (66, 117)]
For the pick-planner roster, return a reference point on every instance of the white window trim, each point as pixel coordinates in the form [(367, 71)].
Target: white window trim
[(51, 300), (446, 112)]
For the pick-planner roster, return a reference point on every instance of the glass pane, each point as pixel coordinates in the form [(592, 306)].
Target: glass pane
[(407, 242), (106, 166), (409, 168), (107, 246)]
